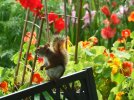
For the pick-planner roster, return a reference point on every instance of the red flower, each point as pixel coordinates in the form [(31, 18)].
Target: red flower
[(4, 86), (27, 38), (114, 19), (108, 32), (40, 60), (35, 6), (59, 25), (125, 33), (24, 3), (105, 10), (37, 78), (52, 17), (127, 68), (30, 57), (114, 4)]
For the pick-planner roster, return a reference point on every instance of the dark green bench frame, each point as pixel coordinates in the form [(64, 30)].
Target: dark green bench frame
[(64, 89)]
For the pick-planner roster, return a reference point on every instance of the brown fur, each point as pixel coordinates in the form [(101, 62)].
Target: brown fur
[(56, 56)]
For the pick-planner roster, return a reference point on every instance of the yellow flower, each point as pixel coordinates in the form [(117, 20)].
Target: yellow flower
[(115, 64), (114, 69), (131, 17), (119, 96)]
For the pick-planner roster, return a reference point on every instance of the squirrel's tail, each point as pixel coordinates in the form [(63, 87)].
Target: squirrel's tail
[(59, 47), (58, 43)]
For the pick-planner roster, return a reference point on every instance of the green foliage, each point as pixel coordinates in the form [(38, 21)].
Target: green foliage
[(47, 95), (11, 24), (109, 82)]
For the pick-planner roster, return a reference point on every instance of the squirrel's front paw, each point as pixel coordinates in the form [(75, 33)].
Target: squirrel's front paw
[(41, 68), (46, 68)]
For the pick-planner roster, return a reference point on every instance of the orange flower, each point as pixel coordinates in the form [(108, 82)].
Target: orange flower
[(119, 96), (105, 52), (127, 68), (125, 33), (4, 86), (85, 44), (37, 78), (30, 57), (121, 48), (112, 55), (93, 39), (121, 40), (27, 37), (131, 17), (105, 10)]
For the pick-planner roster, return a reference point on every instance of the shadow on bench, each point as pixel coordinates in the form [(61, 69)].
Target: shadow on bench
[(64, 89)]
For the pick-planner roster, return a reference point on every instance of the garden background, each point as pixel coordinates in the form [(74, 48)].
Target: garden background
[(106, 43)]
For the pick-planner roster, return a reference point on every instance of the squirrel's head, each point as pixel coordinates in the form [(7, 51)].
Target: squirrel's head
[(41, 51)]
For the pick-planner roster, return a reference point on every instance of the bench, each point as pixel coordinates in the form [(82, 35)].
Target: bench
[(63, 89)]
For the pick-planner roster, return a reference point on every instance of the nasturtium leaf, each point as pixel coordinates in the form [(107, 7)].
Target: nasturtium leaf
[(1, 93), (116, 44), (132, 75), (118, 78), (111, 96), (131, 94), (132, 42), (132, 35), (122, 54), (1, 69), (113, 93), (100, 59), (97, 49), (88, 52), (15, 58), (107, 72), (99, 95), (98, 69)]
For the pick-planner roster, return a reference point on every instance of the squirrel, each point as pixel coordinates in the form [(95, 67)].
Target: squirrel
[(56, 57)]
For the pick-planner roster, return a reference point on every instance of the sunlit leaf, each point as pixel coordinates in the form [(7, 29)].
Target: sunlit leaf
[(132, 35), (117, 78)]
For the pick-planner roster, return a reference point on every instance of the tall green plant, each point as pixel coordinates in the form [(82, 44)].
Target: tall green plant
[(11, 24)]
